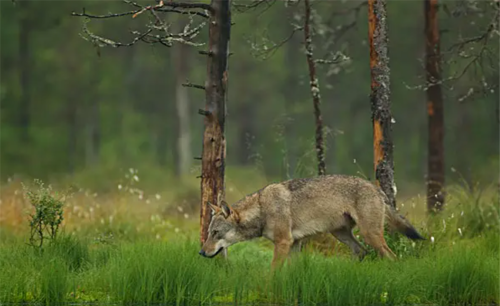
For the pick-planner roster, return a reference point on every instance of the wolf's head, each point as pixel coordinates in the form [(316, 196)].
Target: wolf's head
[(223, 230)]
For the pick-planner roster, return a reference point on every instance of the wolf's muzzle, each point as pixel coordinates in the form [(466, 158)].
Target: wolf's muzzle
[(204, 254)]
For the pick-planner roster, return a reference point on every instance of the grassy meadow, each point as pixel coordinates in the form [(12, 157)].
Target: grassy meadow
[(131, 245)]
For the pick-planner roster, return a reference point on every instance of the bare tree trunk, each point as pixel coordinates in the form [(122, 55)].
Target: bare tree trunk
[(181, 63), (25, 25), (320, 146), (380, 99), (435, 158), (214, 142)]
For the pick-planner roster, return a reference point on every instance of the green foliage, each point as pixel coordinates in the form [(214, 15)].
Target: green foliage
[(173, 273), (132, 268), (73, 252), (137, 127), (47, 216), (471, 211)]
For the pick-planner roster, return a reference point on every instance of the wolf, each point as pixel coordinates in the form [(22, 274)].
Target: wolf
[(290, 211)]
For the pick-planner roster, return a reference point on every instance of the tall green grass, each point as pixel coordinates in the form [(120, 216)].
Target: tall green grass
[(73, 270)]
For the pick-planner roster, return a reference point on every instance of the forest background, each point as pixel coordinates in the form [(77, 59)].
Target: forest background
[(78, 114)]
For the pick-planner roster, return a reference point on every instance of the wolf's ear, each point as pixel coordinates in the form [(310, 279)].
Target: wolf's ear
[(228, 211), (215, 209)]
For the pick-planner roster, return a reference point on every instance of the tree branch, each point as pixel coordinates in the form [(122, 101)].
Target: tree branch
[(242, 8), (101, 41), (475, 60), (189, 84), (112, 15), (162, 7), (172, 4), (265, 52)]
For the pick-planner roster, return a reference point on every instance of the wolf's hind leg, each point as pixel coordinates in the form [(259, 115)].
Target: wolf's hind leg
[(377, 241), (345, 236), (373, 235), (370, 220), (296, 246)]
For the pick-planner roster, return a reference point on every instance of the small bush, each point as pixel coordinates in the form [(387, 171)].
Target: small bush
[(47, 217)]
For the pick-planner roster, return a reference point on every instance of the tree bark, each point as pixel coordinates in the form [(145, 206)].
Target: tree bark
[(320, 146), (214, 143), (184, 154), (435, 158), (25, 65), (380, 99)]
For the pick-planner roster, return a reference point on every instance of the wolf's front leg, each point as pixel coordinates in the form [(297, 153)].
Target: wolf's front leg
[(281, 251)]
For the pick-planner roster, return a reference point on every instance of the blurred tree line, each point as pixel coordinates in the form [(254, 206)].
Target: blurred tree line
[(69, 106)]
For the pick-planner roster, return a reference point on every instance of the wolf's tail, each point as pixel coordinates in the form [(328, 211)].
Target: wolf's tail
[(398, 222)]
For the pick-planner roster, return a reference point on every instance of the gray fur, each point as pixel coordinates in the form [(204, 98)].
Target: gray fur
[(289, 211)]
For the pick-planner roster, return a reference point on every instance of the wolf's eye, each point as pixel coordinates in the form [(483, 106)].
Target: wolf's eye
[(214, 233)]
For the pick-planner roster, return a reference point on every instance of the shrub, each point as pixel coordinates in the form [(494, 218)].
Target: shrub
[(47, 216)]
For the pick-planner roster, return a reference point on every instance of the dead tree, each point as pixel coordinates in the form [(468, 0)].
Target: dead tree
[(380, 99), (218, 15), (435, 157), (214, 142), (313, 82), (477, 55)]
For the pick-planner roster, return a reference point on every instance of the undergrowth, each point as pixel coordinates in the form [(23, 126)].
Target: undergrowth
[(72, 270), (122, 251)]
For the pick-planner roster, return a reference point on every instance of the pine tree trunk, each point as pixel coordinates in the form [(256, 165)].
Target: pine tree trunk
[(320, 146), (435, 159), (214, 142), (380, 99)]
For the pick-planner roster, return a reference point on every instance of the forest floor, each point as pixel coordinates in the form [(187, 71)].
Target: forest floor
[(135, 247)]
